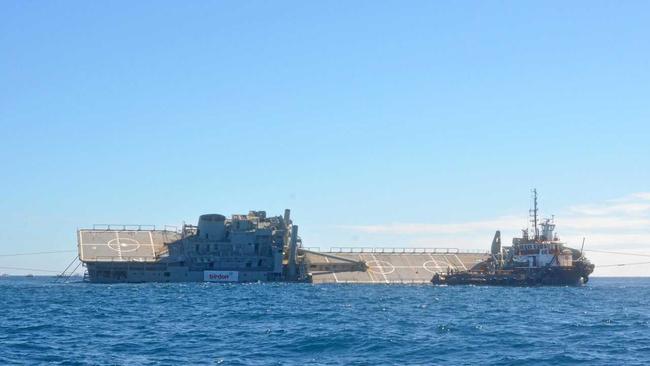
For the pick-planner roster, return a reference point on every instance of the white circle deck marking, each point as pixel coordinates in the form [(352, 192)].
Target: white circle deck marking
[(379, 266), (429, 265), (123, 245)]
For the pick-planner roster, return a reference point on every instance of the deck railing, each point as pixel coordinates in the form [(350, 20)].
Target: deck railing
[(397, 250), (133, 227), (122, 259)]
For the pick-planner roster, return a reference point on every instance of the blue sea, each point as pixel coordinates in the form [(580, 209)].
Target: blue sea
[(606, 322)]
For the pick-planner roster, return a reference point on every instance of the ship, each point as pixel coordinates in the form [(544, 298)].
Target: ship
[(253, 247), (242, 248), (537, 258)]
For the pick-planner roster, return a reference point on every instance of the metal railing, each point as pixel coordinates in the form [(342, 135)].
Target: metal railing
[(130, 259), (397, 250), (134, 227)]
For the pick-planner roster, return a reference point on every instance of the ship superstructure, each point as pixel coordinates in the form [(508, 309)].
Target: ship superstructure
[(538, 257), (242, 248)]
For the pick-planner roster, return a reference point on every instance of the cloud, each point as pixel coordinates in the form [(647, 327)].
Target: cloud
[(423, 228), (617, 225), (605, 223), (634, 204), (504, 223), (645, 196)]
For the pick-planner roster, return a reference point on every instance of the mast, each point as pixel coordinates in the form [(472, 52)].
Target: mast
[(533, 212)]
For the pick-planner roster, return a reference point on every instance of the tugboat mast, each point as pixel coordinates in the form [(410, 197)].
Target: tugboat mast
[(533, 212)]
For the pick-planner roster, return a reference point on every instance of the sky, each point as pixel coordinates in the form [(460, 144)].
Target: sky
[(386, 124)]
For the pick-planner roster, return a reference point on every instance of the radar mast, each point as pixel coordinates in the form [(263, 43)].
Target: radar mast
[(533, 214)]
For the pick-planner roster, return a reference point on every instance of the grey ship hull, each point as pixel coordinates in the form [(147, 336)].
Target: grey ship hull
[(139, 273)]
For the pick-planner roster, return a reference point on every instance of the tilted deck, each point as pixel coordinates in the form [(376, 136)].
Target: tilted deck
[(123, 244), (390, 266)]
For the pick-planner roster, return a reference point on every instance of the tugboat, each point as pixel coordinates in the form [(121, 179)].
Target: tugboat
[(532, 260)]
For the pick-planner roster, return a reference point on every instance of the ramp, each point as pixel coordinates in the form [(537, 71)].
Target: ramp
[(390, 265)]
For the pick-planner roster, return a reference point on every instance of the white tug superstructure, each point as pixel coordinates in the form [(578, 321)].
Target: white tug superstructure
[(544, 249)]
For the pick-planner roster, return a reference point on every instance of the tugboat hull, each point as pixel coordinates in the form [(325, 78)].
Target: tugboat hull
[(551, 276)]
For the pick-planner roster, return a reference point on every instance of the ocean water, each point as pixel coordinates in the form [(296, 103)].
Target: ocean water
[(606, 322)]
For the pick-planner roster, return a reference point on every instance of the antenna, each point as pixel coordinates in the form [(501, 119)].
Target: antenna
[(533, 212)]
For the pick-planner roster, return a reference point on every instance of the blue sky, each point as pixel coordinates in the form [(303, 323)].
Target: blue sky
[(356, 115)]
